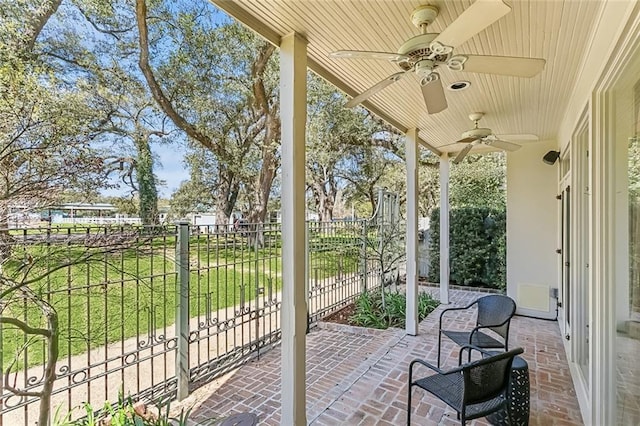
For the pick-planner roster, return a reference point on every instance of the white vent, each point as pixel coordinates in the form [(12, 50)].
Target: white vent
[(534, 297)]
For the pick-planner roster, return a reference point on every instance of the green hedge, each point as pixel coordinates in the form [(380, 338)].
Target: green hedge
[(477, 244)]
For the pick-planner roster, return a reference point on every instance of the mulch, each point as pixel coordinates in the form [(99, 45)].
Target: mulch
[(341, 316)]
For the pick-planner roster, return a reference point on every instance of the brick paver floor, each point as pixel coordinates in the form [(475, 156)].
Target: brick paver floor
[(359, 377)]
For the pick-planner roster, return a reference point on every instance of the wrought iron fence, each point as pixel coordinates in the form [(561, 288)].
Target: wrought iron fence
[(156, 312), (113, 291)]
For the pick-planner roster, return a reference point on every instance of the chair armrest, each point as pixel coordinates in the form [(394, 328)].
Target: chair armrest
[(471, 348), (477, 329), (454, 309), (432, 367), (496, 325)]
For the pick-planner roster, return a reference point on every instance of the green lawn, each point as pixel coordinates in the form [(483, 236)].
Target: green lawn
[(132, 291)]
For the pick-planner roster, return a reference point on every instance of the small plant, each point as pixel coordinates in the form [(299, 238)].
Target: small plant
[(367, 312), (125, 413), (372, 312)]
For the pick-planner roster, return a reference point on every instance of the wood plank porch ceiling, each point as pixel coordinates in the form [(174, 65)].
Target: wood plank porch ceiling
[(559, 31)]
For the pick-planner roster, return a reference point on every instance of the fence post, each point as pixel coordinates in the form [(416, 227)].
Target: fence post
[(182, 311), (363, 256), (307, 253)]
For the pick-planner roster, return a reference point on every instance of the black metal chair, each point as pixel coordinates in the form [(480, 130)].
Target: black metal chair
[(475, 389), (494, 313)]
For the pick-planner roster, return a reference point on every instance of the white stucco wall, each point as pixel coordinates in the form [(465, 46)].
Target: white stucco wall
[(532, 230)]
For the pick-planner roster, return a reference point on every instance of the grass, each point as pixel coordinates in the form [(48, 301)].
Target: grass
[(372, 312), (132, 291)]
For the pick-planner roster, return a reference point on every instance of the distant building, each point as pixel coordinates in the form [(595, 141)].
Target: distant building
[(88, 214), (68, 213)]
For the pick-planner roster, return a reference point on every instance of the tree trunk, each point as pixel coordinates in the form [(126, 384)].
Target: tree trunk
[(51, 334), (325, 192), (228, 192), (5, 237), (324, 205), (147, 191), (52, 358), (270, 143), (259, 210)]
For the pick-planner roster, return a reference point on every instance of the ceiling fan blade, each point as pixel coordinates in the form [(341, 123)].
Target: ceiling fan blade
[(449, 144), (375, 88), (362, 54), (467, 140), (463, 153), (500, 144), (504, 65), (434, 97), (474, 19)]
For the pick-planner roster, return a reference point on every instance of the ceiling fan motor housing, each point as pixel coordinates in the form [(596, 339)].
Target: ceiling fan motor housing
[(417, 49), (479, 133)]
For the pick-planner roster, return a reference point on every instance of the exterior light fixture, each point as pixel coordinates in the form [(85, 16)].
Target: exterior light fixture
[(551, 157)]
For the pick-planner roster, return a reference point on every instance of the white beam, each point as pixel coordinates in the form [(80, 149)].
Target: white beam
[(431, 148), (444, 229), (293, 109), (411, 154)]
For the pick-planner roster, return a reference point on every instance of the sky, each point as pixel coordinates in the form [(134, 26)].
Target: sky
[(169, 167)]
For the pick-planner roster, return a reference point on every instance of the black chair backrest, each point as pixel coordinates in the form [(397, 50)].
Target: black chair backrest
[(487, 378), (494, 310)]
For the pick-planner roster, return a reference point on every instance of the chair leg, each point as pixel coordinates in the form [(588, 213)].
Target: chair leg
[(439, 343), (409, 405)]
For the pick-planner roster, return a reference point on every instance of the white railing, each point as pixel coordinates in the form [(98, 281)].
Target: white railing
[(98, 220)]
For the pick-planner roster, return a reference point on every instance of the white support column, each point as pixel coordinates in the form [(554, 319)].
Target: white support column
[(444, 229), (293, 108), (411, 153)]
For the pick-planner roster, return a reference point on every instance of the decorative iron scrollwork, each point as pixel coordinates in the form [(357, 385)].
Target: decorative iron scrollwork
[(80, 376), (130, 358)]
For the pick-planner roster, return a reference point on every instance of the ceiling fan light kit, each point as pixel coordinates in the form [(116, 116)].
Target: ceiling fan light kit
[(427, 52)]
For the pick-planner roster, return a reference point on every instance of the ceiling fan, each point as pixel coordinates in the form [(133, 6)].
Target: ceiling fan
[(479, 135), (425, 53)]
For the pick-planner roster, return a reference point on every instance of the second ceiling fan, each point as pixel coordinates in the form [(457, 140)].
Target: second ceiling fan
[(483, 136), (425, 53)]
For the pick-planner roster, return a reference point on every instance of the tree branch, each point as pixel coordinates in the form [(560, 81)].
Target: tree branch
[(156, 90), (257, 73), (111, 32), (25, 327), (39, 21)]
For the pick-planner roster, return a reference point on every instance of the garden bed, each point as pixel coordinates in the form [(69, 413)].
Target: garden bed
[(369, 311)]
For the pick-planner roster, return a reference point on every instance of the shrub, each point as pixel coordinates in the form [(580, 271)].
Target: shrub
[(477, 245), (372, 312)]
